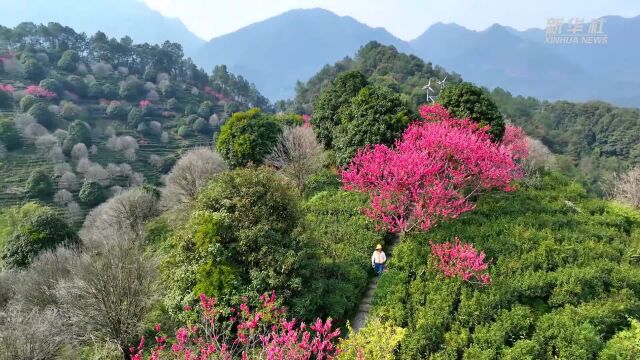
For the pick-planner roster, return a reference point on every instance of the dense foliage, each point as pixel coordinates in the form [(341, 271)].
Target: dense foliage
[(33, 229), (465, 100), (563, 284), (382, 65), (594, 138), (248, 137)]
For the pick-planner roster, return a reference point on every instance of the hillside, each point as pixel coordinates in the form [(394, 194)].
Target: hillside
[(137, 107), (564, 281), (118, 18), (595, 139)]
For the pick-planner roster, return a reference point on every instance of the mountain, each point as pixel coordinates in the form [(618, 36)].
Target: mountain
[(116, 18), (521, 62), (278, 52)]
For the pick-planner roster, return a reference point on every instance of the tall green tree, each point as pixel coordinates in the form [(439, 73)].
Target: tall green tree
[(465, 100), (9, 134), (376, 115), (326, 115)]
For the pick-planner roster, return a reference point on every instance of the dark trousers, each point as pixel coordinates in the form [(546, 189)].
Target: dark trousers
[(379, 268)]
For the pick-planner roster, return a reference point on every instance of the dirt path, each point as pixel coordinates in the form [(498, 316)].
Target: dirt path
[(365, 304)]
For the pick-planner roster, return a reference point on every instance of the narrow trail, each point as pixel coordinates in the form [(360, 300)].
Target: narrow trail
[(365, 304)]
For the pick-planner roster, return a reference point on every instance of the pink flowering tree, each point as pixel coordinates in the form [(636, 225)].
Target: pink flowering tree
[(214, 332), (143, 104), (516, 142), (432, 173), (7, 88), (39, 91), (461, 260)]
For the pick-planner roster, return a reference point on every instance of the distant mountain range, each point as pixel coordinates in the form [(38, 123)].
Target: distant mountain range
[(277, 52)]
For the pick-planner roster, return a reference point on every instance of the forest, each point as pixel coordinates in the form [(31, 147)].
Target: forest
[(152, 210)]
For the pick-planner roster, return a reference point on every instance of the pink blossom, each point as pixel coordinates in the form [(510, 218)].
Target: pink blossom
[(263, 332), (143, 104), (515, 141), (461, 260), (306, 120), (39, 91), (431, 173), (7, 88)]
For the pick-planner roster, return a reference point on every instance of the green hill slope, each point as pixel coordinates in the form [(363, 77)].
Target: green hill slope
[(564, 279)]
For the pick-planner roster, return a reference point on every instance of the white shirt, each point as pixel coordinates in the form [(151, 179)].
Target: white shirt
[(378, 257)]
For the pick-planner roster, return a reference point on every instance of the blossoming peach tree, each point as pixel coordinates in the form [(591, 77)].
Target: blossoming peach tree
[(214, 332), (431, 175)]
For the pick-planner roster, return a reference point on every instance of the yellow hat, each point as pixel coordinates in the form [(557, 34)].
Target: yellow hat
[(379, 247)]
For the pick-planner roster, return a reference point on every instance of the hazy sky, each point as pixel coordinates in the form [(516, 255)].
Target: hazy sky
[(406, 19)]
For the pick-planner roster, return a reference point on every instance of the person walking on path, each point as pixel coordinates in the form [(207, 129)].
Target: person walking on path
[(378, 259)]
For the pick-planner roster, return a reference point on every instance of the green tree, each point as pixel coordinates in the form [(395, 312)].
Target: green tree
[(466, 100), (205, 110), (41, 113), (376, 115), (33, 70), (42, 229), (78, 132), (9, 134), (27, 102), (39, 184), (77, 85), (135, 117), (248, 137), (91, 193), (131, 89), (326, 115), (238, 238), (52, 84), (6, 100), (69, 60)]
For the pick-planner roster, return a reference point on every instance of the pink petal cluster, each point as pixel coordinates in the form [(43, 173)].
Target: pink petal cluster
[(461, 260), (306, 120), (431, 173), (260, 333), (515, 140), (39, 91), (143, 104), (7, 88)]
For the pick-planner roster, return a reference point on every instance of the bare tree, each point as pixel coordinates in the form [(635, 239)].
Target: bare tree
[(62, 197), (31, 334), (79, 151), (69, 181), (192, 172), (110, 292), (627, 187), (125, 213), (297, 154)]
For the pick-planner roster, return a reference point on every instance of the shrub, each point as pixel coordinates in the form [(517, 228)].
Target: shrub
[(41, 114), (624, 345), (91, 193), (39, 184), (377, 340), (9, 135), (131, 89), (205, 109), (135, 117), (44, 230), (27, 102), (248, 137), (201, 126), (69, 61), (33, 70), (77, 85), (116, 110), (53, 85)]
